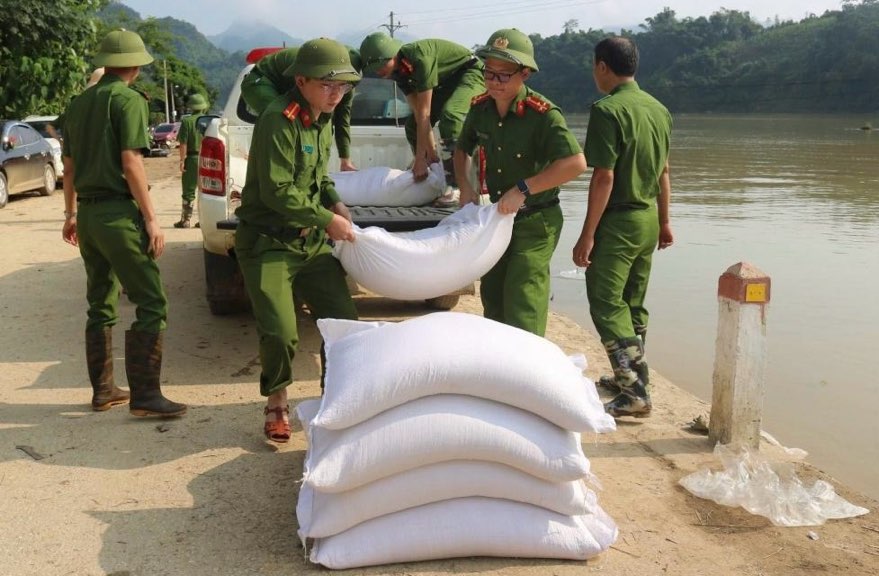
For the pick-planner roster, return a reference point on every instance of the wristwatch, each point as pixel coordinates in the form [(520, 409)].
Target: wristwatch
[(523, 188)]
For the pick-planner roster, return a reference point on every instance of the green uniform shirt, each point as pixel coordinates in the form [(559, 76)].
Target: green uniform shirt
[(531, 136), (425, 64), (629, 132), (190, 135), (287, 183), (99, 123)]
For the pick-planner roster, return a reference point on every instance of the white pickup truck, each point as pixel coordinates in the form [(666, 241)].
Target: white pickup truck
[(377, 139)]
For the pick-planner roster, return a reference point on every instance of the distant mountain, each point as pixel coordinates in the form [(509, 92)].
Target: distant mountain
[(242, 36)]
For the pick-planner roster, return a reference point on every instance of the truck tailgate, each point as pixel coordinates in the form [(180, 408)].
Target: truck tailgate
[(392, 219)]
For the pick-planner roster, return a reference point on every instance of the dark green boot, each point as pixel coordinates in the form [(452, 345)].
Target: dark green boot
[(99, 359), (143, 364), (632, 376), (185, 216), (609, 383)]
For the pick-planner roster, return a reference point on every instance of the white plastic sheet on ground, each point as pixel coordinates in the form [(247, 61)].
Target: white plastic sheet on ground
[(431, 262), (381, 186), (493, 361), (768, 489)]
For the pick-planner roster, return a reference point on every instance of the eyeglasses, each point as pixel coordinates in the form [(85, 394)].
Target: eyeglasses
[(501, 77), (335, 87)]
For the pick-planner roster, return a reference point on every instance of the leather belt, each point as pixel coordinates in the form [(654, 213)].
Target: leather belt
[(531, 208), (282, 233), (105, 198)]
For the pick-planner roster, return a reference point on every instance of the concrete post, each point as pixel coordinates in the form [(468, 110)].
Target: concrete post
[(740, 356)]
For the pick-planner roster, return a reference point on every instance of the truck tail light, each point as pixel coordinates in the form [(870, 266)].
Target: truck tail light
[(212, 167)]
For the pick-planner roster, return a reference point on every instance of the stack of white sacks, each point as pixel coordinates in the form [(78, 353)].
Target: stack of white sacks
[(445, 436)]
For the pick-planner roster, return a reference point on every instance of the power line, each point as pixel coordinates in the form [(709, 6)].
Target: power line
[(508, 9), (392, 27)]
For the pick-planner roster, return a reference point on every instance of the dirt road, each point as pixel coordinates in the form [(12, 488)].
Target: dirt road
[(86, 493)]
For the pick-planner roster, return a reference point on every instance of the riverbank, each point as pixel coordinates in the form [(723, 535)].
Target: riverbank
[(104, 494)]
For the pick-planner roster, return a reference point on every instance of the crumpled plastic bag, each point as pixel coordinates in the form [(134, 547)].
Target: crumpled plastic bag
[(770, 489)]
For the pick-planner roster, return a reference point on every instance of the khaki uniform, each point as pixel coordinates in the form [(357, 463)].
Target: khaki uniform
[(629, 132), (530, 137), (280, 242), (99, 124)]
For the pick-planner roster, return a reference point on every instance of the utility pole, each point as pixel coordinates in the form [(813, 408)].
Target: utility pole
[(165, 69), (392, 27)]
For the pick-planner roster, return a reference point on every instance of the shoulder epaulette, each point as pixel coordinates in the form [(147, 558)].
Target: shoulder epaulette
[(538, 104), (479, 99), (406, 67), (142, 93), (294, 110)]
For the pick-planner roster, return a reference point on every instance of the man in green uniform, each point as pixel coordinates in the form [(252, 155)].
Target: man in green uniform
[(109, 215), (627, 144), (289, 207), (529, 152), (439, 79), (267, 80), (190, 145)]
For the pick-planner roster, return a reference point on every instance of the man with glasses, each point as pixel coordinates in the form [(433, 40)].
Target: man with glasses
[(529, 152), (439, 78), (627, 216), (267, 80), (289, 208)]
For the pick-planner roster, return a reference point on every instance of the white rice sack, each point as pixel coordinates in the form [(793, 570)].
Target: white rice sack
[(381, 186), (372, 367), (305, 413), (467, 527), (322, 514), (431, 262), (438, 429)]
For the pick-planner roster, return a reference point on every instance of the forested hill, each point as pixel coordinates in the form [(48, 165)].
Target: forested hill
[(729, 63)]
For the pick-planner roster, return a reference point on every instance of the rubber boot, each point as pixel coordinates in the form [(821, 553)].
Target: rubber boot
[(99, 359), (185, 216), (632, 376), (143, 364), (609, 383)]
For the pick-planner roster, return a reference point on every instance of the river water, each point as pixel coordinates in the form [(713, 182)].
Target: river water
[(798, 197)]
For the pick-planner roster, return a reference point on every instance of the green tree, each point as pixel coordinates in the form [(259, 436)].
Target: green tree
[(43, 53)]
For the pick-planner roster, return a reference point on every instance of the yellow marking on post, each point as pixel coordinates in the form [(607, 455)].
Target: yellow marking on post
[(755, 293)]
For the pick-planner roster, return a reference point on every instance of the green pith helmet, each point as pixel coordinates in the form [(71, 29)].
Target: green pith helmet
[(197, 103), (324, 59), (356, 62), (511, 45), (376, 49), (122, 49)]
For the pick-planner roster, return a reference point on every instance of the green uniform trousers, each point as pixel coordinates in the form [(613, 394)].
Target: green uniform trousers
[(275, 267), (516, 290), (113, 244), (617, 278), (449, 105), (189, 178)]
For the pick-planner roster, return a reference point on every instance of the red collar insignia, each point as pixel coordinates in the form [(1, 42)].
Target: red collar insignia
[(406, 67), (479, 99), (294, 110), (533, 101)]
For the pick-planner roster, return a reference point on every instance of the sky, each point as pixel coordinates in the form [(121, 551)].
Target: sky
[(464, 21)]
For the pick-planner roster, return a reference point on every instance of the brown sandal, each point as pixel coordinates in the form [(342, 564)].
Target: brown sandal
[(278, 430)]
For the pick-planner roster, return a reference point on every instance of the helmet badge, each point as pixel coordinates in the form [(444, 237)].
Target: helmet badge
[(501, 43)]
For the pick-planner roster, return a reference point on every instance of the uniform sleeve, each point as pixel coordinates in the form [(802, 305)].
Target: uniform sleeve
[(329, 195), (275, 173), (133, 124), (602, 140), (342, 125), (426, 68), (185, 129), (557, 141), (467, 140)]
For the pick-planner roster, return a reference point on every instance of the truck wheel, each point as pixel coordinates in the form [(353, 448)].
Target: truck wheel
[(443, 302), (224, 285)]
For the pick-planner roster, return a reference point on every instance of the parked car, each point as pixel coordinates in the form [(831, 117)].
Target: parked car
[(48, 129), (26, 161), (164, 135)]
